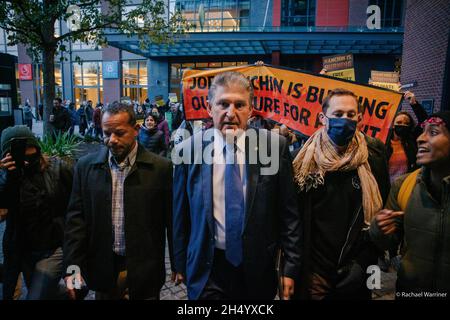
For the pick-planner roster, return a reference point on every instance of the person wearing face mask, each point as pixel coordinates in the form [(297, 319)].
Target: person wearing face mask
[(152, 138), (401, 144), (36, 195), (343, 180)]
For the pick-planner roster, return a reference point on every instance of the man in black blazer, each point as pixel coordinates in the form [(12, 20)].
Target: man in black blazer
[(232, 214), (119, 212)]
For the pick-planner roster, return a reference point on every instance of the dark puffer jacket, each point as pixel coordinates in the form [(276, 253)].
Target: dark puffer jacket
[(153, 140)]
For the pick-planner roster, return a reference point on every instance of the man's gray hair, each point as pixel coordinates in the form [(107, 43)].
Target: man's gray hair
[(227, 79)]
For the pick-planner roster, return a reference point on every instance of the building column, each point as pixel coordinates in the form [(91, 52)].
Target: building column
[(112, 87), (276, 58), (26, 86), (158, 78), (276, 13)]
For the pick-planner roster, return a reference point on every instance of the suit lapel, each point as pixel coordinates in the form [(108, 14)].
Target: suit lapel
[(207, 190), (252, 175)]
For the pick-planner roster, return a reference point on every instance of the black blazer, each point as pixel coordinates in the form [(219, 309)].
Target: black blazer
[(147, 205)]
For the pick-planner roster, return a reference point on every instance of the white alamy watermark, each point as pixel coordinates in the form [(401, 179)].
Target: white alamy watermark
[(75, 277), (261, 147), (374, 280), (374, 19), (74, 20)]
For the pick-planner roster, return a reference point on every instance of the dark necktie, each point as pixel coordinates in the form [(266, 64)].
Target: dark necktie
[(234, 207)]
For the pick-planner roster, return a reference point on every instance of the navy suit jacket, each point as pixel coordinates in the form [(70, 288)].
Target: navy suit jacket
[(271, 221)]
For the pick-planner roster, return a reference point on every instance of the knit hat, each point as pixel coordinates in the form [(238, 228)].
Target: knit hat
[(17, 132)]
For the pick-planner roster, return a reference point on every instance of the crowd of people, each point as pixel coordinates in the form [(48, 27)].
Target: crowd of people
[(309, 231), (64, 117)]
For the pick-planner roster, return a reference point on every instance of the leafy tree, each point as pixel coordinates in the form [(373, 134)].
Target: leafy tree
[(32, 23)]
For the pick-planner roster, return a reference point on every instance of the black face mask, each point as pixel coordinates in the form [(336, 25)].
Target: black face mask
[(402, 131), (34, 161)]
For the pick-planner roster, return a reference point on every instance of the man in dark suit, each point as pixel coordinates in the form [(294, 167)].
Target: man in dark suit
[(119, 212), (229, 230)]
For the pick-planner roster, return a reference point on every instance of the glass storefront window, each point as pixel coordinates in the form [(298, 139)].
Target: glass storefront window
[(77, 78), (58, 75), (90, 73), (134, 80), (86, 94), (38, 79), (130, 73), (88, 82), (143, 80)]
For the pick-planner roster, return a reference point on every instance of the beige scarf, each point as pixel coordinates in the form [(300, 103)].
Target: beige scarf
[(319, 156)]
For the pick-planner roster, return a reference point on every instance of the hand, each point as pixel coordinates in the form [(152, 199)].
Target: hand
[(386, 220), (411, 97), (288, 288), (177, 278), (70, 288), (8, 163)]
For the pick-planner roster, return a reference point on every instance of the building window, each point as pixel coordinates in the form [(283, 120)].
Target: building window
[(298, 13), (134, 80), (391, 12), (214, 15), (38, 79), (176, 71), (88, 82)]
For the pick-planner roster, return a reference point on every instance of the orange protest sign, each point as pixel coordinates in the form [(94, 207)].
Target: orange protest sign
[(293, 98)]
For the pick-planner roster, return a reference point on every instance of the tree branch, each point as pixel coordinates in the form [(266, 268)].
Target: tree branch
[(23, 32), (80, 31)]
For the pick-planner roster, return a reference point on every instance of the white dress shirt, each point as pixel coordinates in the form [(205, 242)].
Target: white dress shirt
[(219, 182)]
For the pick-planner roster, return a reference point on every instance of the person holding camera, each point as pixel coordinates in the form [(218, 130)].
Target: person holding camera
[(35, 190)]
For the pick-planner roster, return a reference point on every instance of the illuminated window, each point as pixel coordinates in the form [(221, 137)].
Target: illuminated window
[(39, 82), (88, 82), (134, 80), (298, 13)]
